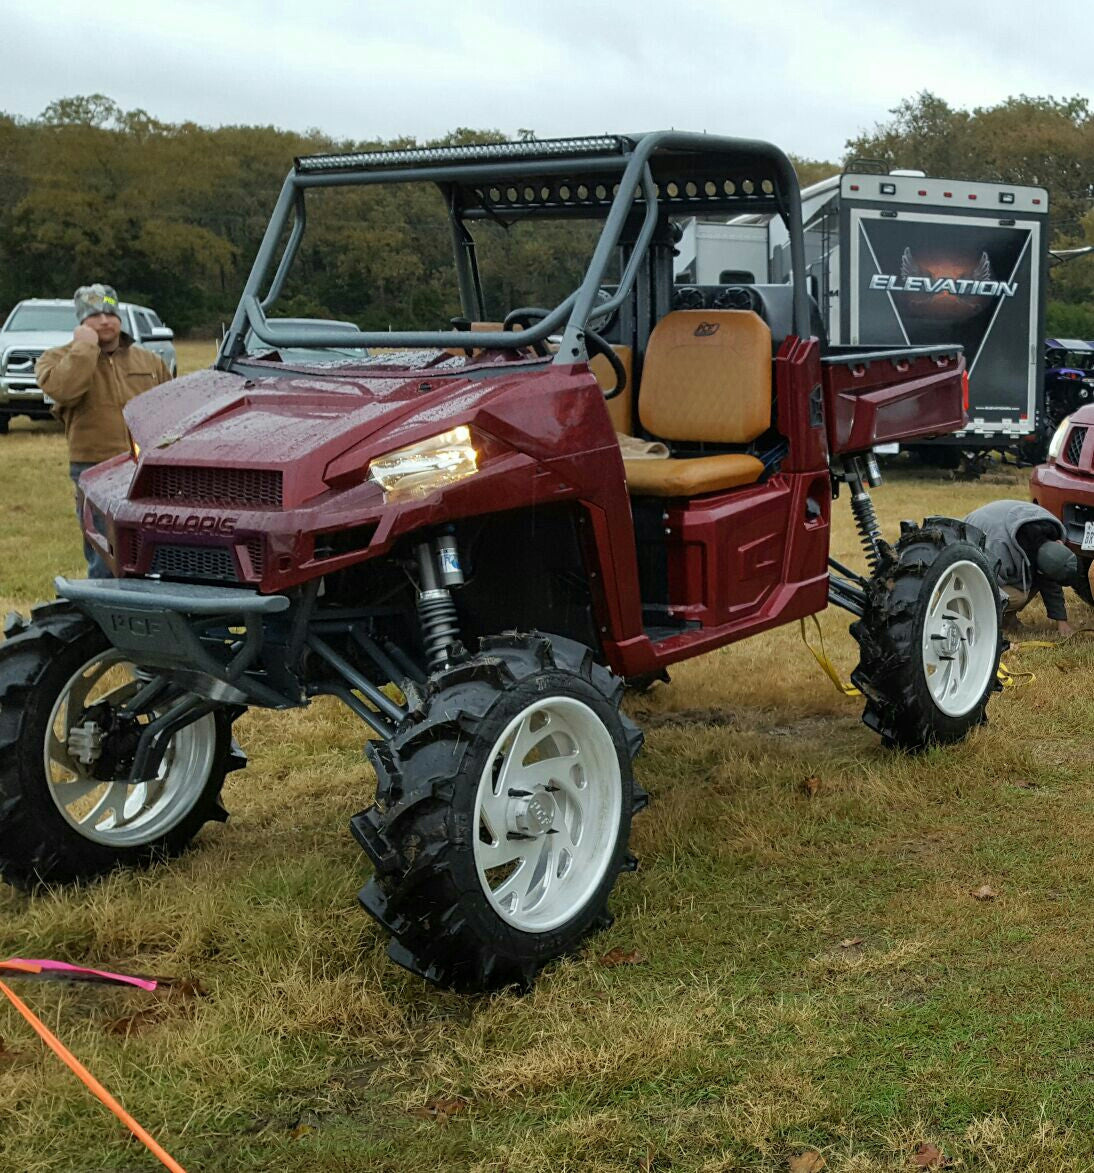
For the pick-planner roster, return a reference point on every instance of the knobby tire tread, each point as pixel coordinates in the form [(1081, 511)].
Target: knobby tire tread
[(414, 830), (37, 847)]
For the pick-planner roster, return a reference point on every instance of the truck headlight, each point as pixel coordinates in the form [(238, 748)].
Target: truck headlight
[(420, 468), (1056, 444)]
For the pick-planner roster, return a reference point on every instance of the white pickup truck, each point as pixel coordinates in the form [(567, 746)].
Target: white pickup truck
[(37, 325)]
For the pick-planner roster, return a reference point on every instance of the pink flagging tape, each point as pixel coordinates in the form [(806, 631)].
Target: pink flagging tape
[(25, 965)]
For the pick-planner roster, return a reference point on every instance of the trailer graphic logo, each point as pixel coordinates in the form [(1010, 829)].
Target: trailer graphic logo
[(943, 286)]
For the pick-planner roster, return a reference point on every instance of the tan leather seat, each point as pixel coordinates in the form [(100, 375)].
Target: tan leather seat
[(707, 377), (620, 408), (689, 478)]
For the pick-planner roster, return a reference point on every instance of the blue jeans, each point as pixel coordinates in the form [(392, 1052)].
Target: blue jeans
[(96, 567)]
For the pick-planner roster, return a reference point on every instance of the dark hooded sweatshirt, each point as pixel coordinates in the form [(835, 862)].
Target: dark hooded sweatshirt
[(1015, 531)]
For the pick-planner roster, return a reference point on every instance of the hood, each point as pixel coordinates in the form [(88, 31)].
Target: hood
[(308, 426), (34, 339)]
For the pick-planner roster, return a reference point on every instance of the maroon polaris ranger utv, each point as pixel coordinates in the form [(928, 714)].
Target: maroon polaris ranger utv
[(442, 531)]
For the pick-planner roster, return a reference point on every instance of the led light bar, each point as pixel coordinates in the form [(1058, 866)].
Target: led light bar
[(469, 153)]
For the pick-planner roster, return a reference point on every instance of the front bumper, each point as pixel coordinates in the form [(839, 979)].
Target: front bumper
[(208, 639), (22, 395), (1069, 495)]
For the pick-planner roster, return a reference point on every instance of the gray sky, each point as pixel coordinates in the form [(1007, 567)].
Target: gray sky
[(806, 74)]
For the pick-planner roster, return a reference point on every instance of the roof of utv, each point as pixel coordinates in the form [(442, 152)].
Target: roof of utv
[(629, 181), (694, 173)]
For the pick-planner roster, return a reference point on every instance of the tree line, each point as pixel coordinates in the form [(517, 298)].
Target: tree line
[(172, 213)]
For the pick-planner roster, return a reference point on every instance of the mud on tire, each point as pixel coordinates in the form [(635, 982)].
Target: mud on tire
[(39, 661), (931, 637), (471, 778)]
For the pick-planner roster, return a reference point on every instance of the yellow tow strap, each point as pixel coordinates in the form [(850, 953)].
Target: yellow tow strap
[(1007, 678), (827, 667), (1010, 679)]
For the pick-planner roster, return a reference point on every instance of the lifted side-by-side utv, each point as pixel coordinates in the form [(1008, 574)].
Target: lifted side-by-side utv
[(443, 532)]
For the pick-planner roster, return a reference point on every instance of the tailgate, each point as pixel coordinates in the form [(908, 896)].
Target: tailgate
[(894, 395)]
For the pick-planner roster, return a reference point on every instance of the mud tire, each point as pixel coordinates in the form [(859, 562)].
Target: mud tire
[(419, 834), (891, 673), (37, 845)]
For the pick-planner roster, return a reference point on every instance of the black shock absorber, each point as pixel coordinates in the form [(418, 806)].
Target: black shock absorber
[(438, 570), (859, 475)]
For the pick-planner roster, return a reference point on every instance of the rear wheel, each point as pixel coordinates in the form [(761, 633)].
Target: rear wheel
[(67, 809), (503, 809), (931, 636)]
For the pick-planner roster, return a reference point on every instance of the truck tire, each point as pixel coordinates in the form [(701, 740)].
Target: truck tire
[(67, 815), (487, 864), (931, 636), (5, 424)]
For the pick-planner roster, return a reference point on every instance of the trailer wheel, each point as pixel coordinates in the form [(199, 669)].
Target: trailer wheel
[(502, 814), (67, 811), (931, 637)]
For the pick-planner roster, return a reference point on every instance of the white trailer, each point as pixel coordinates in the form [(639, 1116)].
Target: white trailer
[(903, 259)]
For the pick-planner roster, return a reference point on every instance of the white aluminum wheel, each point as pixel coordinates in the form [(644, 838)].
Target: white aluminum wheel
[(109, 809), (547, 814), (960, 631)]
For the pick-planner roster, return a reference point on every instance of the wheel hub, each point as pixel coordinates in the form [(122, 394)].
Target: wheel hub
[(85, 743), (532, 815), (951, 638)]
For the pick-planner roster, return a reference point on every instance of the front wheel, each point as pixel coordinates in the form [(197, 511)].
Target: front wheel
[(67, 809), (931, 636), (503, 809)]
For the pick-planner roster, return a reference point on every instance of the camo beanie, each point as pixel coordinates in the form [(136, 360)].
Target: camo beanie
[(1057, 562), (95, 299)]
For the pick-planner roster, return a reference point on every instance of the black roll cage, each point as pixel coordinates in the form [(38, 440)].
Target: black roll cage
[(605, 177)]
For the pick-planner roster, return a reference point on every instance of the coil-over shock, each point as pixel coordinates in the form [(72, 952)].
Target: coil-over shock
[(862, 473), (438, 571)]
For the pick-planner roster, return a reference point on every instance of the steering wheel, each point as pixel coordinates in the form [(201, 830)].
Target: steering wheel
[(595, 344)]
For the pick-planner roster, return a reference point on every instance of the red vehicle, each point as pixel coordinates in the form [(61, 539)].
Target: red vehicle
[(445, 534), (1064, 485)]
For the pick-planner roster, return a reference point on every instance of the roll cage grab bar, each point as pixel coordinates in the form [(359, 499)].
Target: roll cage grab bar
[(632, 163)]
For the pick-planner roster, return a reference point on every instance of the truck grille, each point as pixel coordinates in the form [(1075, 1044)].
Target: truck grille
[(21, 360), (1074, 449), (235, 488), (201, 562)]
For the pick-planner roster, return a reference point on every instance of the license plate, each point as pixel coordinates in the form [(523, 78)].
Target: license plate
[(1088, 536)]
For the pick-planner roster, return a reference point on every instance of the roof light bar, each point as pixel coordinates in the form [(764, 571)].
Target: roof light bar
[(468, 153)]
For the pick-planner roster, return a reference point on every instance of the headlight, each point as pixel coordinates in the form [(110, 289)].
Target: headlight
[(1056, 444), (134, 448), (420, 468)]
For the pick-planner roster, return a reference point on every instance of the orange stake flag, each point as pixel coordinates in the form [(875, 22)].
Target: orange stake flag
[(88, 1080)]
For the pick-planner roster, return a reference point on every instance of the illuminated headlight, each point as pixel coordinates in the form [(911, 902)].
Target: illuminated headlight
[(1056, 444), (420, 468), (134, 448)]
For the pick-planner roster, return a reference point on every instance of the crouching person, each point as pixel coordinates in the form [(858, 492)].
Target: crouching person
[(1033, 560), (90, 380)]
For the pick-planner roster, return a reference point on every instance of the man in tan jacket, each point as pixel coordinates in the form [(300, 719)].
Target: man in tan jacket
[(90, 380)]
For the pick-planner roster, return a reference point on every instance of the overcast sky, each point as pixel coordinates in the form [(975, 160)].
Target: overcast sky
[(806, 74)]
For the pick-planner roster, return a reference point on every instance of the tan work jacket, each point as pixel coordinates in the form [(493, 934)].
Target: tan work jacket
[(90, 389)]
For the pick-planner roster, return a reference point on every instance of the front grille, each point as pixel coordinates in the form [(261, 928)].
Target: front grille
[(200, 562), (1074, 448), (21, 360), (234, 488)]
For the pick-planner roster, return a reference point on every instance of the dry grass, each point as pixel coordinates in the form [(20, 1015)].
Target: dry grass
[(751, 1030)]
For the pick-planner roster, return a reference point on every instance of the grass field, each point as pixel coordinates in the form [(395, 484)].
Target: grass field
[(805, 964)]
